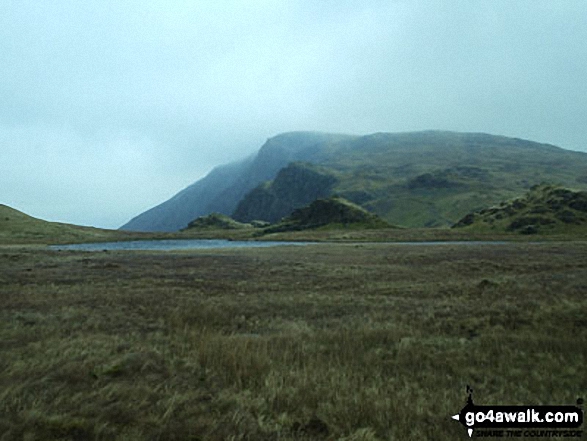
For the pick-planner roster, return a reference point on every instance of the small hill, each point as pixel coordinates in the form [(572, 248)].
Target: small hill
[(19, 228), (544, 209), (332, 212), (216, 221)]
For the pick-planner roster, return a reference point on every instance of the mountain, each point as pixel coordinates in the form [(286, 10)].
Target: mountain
[(544, 209), (223, 188), (419, 179), (19, 228), (427, 179)]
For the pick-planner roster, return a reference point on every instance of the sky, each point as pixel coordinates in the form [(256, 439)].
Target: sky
[(108, 108)]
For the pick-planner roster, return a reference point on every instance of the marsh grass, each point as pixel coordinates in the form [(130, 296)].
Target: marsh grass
[(349, 341)]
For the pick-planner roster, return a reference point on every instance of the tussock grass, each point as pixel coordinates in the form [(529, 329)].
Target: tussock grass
[(349, 342)]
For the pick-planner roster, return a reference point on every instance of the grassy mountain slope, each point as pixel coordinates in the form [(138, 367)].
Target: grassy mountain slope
[(420, 179), (19, 228), (544, 209), (434, 178)]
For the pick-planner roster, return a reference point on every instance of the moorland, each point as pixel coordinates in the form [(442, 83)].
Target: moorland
[(350, 340)]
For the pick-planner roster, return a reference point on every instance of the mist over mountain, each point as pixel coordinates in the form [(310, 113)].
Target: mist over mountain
[(222, 189), (418, 179)]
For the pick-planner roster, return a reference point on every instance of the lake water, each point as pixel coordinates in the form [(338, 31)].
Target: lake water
[(168, 245), (207, 244)]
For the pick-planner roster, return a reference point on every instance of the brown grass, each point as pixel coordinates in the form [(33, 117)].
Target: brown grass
[(346, 341)]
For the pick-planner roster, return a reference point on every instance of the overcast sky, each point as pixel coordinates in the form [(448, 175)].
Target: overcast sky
[(110, 107)]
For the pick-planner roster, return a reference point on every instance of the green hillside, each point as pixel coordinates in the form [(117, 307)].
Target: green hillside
[(419, 179), (216, 221), (424, 179), (545, 209), (19, 228), (330, 213)]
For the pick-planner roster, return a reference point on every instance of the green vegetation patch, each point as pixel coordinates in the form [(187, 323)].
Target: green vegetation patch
[(335, 212), (544, 209), (423, 179), (217, 221)]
